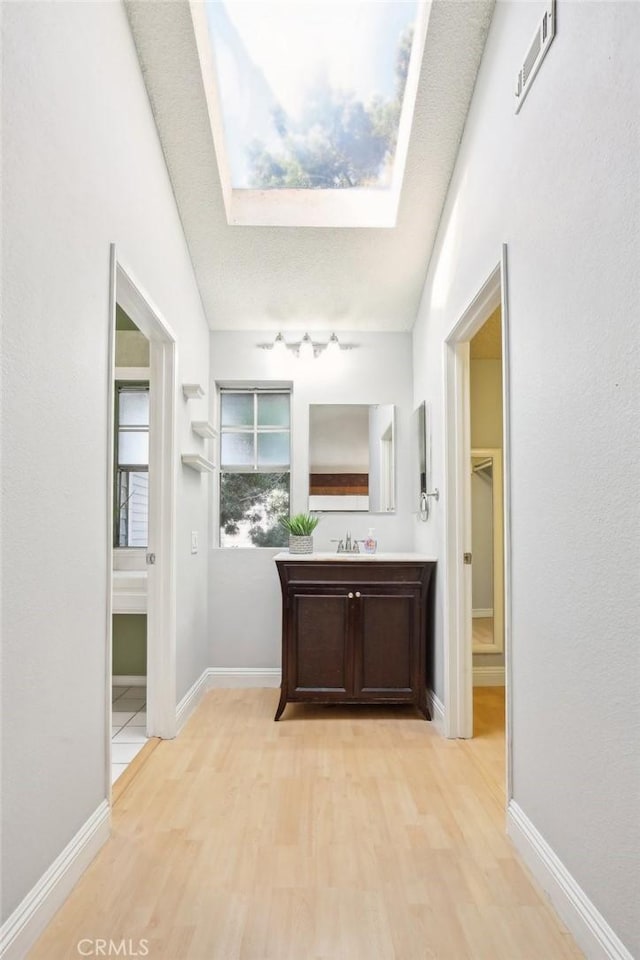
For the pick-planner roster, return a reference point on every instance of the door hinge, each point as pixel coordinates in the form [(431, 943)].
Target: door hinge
[(466, 557)]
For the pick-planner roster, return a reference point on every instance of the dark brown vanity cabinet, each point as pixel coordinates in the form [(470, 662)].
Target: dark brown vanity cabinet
[(354, 631)]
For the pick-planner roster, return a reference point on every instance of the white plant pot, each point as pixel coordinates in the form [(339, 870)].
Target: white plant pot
[(300, 544)]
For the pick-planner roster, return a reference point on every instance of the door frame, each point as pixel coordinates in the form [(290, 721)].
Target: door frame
[(161, 576), (458, 656)]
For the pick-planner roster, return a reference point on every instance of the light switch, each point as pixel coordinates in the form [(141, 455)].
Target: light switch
[(194, 541)]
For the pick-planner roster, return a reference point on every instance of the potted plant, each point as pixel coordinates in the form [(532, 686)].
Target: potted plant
[(300, 529)]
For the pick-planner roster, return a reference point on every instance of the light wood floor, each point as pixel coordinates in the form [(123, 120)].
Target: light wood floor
[(337, 834)]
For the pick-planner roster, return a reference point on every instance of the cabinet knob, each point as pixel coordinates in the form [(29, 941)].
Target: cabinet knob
[(357, 593), (350, 595)]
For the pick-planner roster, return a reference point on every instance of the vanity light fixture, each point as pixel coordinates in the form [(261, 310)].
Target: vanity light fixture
[(279, 346), (306, 349), (307, 346)]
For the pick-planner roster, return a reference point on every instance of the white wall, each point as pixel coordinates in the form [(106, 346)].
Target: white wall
[(244, 588), (339, 438), (485, 402), (82, 167), (559, 183)]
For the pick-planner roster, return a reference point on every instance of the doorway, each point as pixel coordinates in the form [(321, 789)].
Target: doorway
[(152, 387), (459, 469)]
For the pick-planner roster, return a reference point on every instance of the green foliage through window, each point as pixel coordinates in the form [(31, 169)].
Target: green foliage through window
[(338, 141), (251, 506)]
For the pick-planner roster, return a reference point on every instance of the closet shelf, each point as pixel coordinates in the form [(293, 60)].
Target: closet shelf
[(198, 463), (204, 429), (192, 391)]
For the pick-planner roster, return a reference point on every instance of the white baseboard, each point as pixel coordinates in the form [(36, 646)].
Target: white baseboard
[(220, 677), (20, 931), (591, 931), (244, 676), (482, 612), (488, 676), (436, 708), (191, 699), (128, 681)]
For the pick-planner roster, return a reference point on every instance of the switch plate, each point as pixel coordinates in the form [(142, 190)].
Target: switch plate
[(194, 541)]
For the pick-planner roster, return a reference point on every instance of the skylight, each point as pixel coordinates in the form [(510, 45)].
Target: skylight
[(311, 99)]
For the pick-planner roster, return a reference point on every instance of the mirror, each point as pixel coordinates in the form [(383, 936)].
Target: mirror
[(352, 457), (486, 545)]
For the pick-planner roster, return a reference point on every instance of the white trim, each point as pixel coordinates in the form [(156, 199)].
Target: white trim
[(224, 677), (458, 663), (129, 680), (244, 677), (482, 612), (197, 462), (161, 576), (111, 391), (488, 676), (249, 677), (129, 602), (204, 429), (495, 453), (436, 708), (506, 499), (192, 391), (191, 699), (458, 656), (28, 920), (132, 373), (591, 931)]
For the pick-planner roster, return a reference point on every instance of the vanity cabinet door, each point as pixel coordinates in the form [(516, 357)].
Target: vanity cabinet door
[(319, 647), (387, 644)]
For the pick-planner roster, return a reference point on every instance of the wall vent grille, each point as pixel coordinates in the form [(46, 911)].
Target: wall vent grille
[(535, 54)]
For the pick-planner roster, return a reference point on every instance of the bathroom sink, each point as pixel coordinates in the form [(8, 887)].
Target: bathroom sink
[(367, 557)]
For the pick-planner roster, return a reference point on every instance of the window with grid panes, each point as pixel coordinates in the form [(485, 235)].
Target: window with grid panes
[(255, 458), (131, 486)]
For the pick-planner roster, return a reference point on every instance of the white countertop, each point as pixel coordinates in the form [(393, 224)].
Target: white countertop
[(367, 557)]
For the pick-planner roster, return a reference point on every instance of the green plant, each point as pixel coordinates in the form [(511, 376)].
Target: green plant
[(302, 525)]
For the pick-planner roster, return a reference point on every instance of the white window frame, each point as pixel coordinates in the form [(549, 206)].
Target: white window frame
[(255, 429), (132, 385)]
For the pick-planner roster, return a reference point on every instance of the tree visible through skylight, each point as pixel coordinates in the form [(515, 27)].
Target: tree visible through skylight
[(311, 92)]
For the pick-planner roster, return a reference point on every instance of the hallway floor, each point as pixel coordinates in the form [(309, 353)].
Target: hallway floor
[(339, 833), (128, 726)]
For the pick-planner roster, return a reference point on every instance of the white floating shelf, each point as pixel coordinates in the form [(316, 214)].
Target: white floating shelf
[(204, 429), (198, 463), (192, 391)]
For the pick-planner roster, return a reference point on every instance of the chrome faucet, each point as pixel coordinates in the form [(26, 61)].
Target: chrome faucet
[(347, 545)]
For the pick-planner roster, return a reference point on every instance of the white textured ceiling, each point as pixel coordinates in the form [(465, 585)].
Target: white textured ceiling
[(293, 278)]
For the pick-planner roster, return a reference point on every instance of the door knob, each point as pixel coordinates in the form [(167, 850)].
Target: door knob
[(357, 594), (350, 596)]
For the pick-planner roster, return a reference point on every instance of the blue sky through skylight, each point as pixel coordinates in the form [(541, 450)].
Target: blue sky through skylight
[(310, 91)]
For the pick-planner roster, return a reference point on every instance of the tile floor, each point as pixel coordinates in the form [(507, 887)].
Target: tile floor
[(128, 726)]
